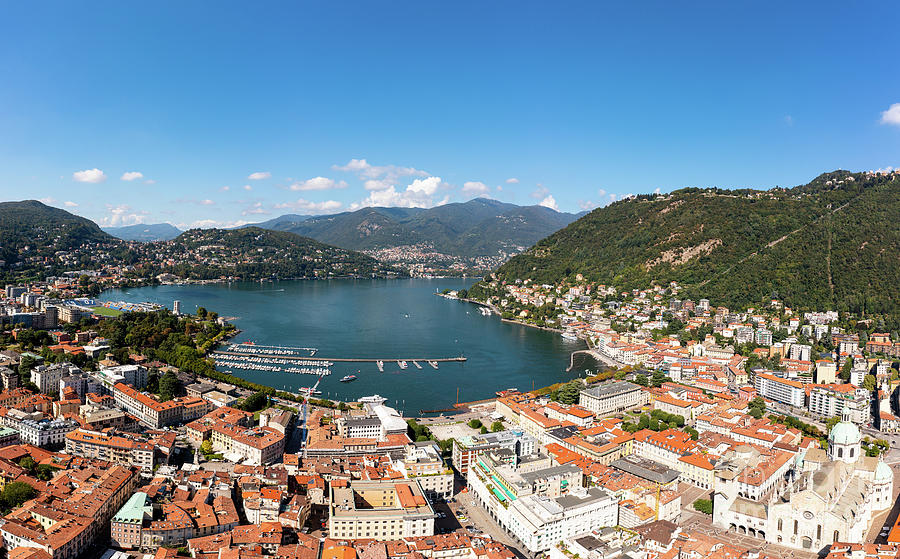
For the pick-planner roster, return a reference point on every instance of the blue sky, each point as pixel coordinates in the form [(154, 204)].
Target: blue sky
[(226, 113)]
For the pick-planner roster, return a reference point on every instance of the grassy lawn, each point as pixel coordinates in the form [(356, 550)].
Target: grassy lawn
[(103, 311)]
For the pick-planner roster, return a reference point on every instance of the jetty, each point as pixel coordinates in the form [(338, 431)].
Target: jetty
[(263, 355)]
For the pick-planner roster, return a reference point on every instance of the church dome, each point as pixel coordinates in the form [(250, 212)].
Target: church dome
[(883, 472), (844, 432)]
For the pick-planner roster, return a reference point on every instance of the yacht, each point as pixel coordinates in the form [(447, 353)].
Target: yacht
[(348, 378)]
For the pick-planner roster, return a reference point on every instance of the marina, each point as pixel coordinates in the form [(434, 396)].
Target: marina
[(354, 324)]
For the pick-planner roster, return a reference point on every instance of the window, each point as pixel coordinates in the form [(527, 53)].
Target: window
[(840, 452), (796, 524)]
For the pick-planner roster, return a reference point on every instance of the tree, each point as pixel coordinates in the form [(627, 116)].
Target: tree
[(28, 463), (755, 413), (869, 382), (44, 472), (153, 382), (703, 505), (206, 447), (496, 427), (483, 430), (845, 370), (168, 386), (255, 402), (568, 393), (16, 493), (475, 424), (201, 312), (25, 364), (641, 379)]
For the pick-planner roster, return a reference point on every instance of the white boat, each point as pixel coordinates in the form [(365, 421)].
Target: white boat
[(380, 365), (416, 363), (433, 364), (402, 364), (569, 336)]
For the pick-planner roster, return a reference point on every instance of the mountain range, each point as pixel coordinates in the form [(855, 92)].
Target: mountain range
[(479, 227), (831, 244), (144, 232)]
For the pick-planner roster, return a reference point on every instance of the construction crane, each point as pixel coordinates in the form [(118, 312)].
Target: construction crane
[(307, 392)]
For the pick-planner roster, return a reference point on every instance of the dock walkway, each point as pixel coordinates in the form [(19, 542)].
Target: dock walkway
[(338, 359)]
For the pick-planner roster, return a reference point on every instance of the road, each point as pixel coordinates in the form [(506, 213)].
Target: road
[(480, 519)]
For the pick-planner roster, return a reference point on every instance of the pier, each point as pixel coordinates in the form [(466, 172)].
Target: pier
[(262, 355)]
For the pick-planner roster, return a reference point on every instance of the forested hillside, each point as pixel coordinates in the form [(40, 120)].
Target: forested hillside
[(479, 227), (832, 243)]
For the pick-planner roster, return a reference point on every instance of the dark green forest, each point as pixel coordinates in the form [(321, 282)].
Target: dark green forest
[(831, 244)]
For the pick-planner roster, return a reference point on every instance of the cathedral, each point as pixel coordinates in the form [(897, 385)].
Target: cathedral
[(825, 497)]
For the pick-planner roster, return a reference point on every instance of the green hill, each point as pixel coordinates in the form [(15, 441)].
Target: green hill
[(144, 232), (831, 244), (252, 252), (32, 231), (479, 227)]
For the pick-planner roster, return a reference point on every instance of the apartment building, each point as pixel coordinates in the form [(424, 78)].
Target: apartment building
[(253, 445), (831, 400), (782, 390), (127, 450), (465, 449), (379, 510), (150, 412), (542, 522)]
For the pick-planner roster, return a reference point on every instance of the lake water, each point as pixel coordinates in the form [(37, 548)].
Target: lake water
[(380, 319)]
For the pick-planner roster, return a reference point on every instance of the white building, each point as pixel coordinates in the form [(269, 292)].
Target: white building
[(542, 522), (782, 390), (47, 377), (611, 397)]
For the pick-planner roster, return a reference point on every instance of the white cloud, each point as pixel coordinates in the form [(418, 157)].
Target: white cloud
[(657, 190), (259, 175), (122, 215), (89, 175), (892, 115), (318, 183), (70, 204), (512, 180), (364, 169), (473, 187), (248, 187), (306, 206), (376, 184), (210, 223), (132, 175), (426, 186), (419, 194), (256, 209), (149, 181), (225, 188), (540, 192), (47, 200), (549, 202), (206, 202)]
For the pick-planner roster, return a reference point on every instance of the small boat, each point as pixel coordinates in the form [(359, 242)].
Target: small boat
[(433, 364), (402, 364), (348, 378), (416, 363), (380, 365), (569, 336)]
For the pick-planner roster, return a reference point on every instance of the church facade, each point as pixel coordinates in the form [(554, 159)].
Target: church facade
[(824, 497)]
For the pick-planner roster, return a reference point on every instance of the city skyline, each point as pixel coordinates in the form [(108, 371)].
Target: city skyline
[(218, 118)]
